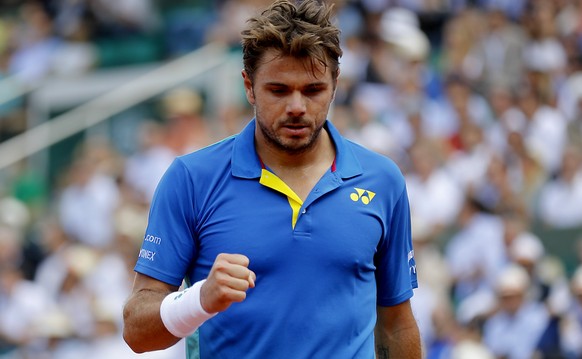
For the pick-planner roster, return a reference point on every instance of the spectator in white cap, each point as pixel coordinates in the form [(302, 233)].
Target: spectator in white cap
[(400, 28), (514, 330), (470, 349), (396, 71)]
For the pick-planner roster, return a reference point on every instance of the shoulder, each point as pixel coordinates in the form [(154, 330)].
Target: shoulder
[(217, 150), (211, 157), (199, 168), (375, 164)]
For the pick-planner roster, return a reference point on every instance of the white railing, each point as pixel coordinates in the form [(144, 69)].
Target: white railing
[(12, 88), (169, 75)]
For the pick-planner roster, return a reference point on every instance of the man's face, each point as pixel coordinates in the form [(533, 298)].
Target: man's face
[(291, 102), (511, 302)]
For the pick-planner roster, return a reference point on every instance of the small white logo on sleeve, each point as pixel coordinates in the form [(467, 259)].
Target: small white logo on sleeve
[(411, 262), (153, 239), (149, 255)]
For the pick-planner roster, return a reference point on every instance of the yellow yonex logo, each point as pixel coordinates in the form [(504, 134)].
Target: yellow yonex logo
[(362, 195)]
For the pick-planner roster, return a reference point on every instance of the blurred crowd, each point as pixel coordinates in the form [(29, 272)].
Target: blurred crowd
[(478, 102)]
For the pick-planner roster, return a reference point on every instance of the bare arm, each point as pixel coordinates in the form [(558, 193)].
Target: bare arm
[(397, 335), (143, 327), (144, 330)]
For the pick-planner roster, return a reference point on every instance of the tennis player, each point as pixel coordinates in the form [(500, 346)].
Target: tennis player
[(291, 241)]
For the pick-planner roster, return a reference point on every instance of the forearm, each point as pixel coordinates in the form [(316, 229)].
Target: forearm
[(400, 344), (396, 333), (143, 327)]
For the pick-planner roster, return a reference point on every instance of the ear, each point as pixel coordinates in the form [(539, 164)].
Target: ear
[(248, 88)]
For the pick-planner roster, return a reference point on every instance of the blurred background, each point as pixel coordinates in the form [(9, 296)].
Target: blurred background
[(477, 101)]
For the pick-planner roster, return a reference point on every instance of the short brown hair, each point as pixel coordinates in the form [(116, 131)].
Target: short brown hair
[(304, 31)]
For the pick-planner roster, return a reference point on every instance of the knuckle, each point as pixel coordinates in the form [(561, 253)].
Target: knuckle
[(221, 258), (244, 260), (239, 296), (222, 281), (222, 292), (220, 266)]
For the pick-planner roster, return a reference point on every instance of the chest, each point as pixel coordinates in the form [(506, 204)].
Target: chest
[(336, 225)]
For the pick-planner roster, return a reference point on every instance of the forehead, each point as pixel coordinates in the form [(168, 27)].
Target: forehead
[(275, 67)]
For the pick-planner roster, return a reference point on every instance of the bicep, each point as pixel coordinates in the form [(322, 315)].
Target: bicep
[(143, 282)]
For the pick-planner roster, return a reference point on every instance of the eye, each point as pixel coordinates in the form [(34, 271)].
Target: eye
[(313, 90), (277, 89)]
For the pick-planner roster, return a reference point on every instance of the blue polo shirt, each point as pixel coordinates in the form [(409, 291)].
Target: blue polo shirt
[(322, 265)]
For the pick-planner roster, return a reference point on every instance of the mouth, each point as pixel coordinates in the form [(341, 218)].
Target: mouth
[(295, 129)]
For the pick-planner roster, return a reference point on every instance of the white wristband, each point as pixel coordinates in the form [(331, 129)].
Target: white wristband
[(182, 312)]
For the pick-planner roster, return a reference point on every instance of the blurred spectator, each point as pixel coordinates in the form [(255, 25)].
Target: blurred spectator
[(507, 116), (231, 20), (548, 282), (468, 162), (22, 302), (497, 56), (475, 253), (398, 52), (560, 198), (412, 107), (87, 203), (461, 33), (462, 105), (375, 135), (514, 330), (35, 44), (51, 271), (186, 25), (571, 327), (522, 247), (400, 28), (187, 129), (544, 53), (471, 348), (500, 189), (144, 168), (570, 92), (356, 51), (575, 127), (544, 133), (430, 187), (232, 119), (76, 54), (124, 17)]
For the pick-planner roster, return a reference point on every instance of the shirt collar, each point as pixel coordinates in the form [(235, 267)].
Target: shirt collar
[(245, 161)]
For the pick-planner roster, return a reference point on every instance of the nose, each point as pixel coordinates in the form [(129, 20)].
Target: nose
[(296, 104)]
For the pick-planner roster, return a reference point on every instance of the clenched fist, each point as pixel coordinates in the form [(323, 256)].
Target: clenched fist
[(227, 283)]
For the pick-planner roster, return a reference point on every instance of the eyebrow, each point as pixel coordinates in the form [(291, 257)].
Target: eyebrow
[(280, 84)]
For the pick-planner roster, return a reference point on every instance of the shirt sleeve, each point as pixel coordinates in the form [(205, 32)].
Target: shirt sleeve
[(169, 243), (395, 265)]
